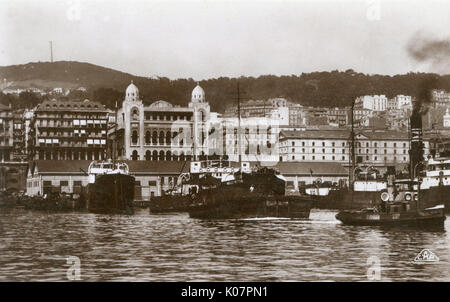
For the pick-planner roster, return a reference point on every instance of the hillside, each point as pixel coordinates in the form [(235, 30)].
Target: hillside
[(335, 88)]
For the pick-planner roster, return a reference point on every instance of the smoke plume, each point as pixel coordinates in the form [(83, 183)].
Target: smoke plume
[(426, 49)]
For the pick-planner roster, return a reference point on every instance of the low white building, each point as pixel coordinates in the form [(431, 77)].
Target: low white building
[(152, 177)]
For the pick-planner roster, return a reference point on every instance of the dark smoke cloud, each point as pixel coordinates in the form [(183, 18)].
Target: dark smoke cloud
[(424, 48)]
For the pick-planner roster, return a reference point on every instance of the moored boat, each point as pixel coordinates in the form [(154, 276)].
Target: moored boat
[(255, 194), (110, 188)]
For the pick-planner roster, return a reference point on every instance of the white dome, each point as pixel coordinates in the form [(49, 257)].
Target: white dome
[(198, 94), (132, 91)]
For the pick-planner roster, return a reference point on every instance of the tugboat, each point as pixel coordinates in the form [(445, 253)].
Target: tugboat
[(401, 202), (259, 193), (110, 188), (399, 207)]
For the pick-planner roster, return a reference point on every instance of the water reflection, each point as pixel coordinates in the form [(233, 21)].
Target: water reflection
[(145, 247)]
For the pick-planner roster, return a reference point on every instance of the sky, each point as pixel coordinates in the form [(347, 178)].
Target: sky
[(211, 38)]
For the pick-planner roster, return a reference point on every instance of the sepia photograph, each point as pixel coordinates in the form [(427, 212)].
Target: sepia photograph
[(204, 143)]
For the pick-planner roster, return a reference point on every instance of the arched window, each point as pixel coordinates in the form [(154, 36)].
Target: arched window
[(182, 157), (168, 137), (148, 155), (161, 155), (161, 138), (147, 138), (135, 114), (168, 155), (175, 156), (134, 137), (155, 138), (134, 155), (155, 155)]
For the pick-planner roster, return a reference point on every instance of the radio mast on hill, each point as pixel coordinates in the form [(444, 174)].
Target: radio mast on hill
[(51, 51)]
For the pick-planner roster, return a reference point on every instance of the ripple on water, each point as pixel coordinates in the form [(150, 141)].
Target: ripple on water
[(143, 247)]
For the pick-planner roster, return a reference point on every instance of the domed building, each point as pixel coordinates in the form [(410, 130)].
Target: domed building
[(198, 95), (161, 131), (132, 92)]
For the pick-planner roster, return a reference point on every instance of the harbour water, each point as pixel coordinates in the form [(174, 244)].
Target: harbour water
[(34, 246)]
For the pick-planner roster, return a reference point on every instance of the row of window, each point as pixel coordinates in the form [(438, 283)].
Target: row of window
[(344, 158), (358, 144), (76, 132), (360, 151)]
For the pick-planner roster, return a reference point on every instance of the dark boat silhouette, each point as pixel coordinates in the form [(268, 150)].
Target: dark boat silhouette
[(110, 188), (255, 194), (400, 207)]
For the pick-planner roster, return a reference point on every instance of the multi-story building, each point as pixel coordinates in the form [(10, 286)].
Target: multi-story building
[(12, 165), (287, 112), (339, 116), (360, 116), (440, 98), (162, 131), (372, 102), (257, 139), (69, 130), (400, 102), (314, 145), (6, 133), (19, 144), (378, 148)]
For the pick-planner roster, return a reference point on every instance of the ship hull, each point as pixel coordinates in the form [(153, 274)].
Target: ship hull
[(111, 193), (429, 197), (237, 204), (405, 220), (167, 204), (347, 200), (344, 199)]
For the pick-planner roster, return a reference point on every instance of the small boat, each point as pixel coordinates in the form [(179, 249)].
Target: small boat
[(110, 188), (400, 206)]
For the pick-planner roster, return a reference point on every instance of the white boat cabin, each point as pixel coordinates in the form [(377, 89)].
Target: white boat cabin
[(106, 167)]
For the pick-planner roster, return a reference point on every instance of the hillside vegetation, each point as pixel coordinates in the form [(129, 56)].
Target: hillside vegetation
[(330, 89)]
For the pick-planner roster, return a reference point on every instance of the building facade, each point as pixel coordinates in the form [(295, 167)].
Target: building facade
[(440, 98), (162, 131), (69, 130), (372, 102), (287, 113), (378, 148)]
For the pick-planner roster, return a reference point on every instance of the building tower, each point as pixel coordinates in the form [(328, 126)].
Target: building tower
[(132, 117), (201, 116)]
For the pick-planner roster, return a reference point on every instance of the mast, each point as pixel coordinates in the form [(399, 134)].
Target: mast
[(239, 124), (115, 138), (351, 159)]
